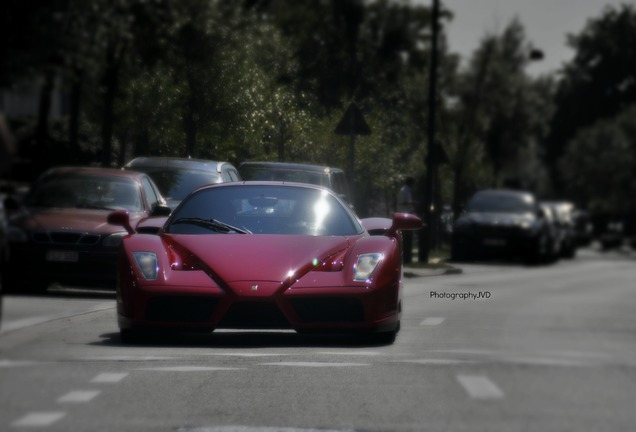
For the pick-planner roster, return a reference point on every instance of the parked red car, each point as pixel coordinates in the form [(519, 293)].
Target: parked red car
[(262, 255), (61, 233)]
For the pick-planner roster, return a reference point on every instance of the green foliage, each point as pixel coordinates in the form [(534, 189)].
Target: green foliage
[(499, 118), (600, 81), (599, 165)]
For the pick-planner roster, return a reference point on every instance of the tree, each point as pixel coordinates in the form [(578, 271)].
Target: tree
[(599, 82), (501, 115), (599, 163)]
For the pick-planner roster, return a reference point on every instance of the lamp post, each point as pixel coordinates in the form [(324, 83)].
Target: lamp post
[(426, 235)]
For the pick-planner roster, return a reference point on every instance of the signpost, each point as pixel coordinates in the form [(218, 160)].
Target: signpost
[(352, 124)]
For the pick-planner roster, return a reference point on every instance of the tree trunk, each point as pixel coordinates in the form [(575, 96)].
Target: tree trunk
[(42, 158), (74, 115), (110, 82), (189, 118)]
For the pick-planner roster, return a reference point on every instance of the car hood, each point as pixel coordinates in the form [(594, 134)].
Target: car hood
[(274, 258), (499, 219), (78, 220)]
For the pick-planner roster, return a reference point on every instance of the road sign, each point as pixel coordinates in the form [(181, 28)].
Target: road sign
[(353, 122)]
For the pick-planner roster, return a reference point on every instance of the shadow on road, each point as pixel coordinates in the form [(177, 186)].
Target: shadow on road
[(244, 340)]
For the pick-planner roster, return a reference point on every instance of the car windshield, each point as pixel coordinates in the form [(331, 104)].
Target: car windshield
[(86, 191), (501, 203), (176, 184), (286, 175), (263, 209)]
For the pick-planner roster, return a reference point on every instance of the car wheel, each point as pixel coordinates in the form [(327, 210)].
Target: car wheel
[(12, 282), (458, 251), (132, 336), (384, 338), (540, 252)]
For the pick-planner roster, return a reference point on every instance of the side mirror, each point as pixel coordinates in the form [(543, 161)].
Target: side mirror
[(161, 210), (121, 218), (390, 227), (404, 222)]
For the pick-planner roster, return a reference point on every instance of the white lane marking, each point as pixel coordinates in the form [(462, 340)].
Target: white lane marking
[(432, 321), (109, 377), (314, 364), (238, 428), (190, 369), (579, 354), (9, 326), (351, 353), (36, 419), (537, 361), (127, 358), (480, 387), (437, 361), (243, 354), (6, 363), (78, 396)]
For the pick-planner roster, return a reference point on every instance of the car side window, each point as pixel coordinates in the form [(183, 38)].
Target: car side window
[(340, 185), (234, 175), (230, 175), (150, 192)]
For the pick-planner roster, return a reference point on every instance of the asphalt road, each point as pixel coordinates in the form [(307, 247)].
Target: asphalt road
[(500, 347)]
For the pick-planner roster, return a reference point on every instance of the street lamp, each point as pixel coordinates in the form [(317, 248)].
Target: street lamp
[(426, 236)]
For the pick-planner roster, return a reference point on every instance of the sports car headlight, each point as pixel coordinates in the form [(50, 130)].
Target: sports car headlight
[(114, 240), (365, 265), (147, 264)]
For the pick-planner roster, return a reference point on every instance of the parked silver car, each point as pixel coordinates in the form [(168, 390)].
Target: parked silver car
[(329, 177), (177, 177)]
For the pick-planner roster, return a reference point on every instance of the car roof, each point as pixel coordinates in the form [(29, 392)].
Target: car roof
[(175, 162), (505, 192), (267, 183), (290, 166), (111, 172)]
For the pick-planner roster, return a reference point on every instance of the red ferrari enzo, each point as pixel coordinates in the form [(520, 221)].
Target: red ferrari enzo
[(262, 255)]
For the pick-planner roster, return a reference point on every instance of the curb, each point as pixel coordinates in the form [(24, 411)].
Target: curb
[(410, 272)]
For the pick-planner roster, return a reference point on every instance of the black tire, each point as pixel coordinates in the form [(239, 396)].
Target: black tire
[(458, 251), (12, 282), (132, 336), (385, 338)]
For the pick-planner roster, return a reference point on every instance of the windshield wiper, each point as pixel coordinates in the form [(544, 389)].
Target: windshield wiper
[(213, 224)]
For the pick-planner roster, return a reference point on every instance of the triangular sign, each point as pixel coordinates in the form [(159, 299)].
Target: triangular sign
[(353, 122)]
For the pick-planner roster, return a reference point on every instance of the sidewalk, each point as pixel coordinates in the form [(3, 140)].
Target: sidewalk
[(435, 267)]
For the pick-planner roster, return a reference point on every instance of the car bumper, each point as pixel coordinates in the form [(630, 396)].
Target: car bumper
[(64, 264), (326, 309), (496, 244)]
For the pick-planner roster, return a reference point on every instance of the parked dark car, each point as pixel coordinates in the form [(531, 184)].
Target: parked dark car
[(329, 177), (502, 223), (177, 177), (61, 234)]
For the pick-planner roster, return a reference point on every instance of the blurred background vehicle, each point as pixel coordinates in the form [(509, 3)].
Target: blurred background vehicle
[(583, 228), (501, 223), (564, 220), (60, 233), (330, 177), (556, 234), (177, 177)]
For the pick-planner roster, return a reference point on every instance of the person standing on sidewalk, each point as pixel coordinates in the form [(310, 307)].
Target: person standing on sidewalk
[(406, 204)]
